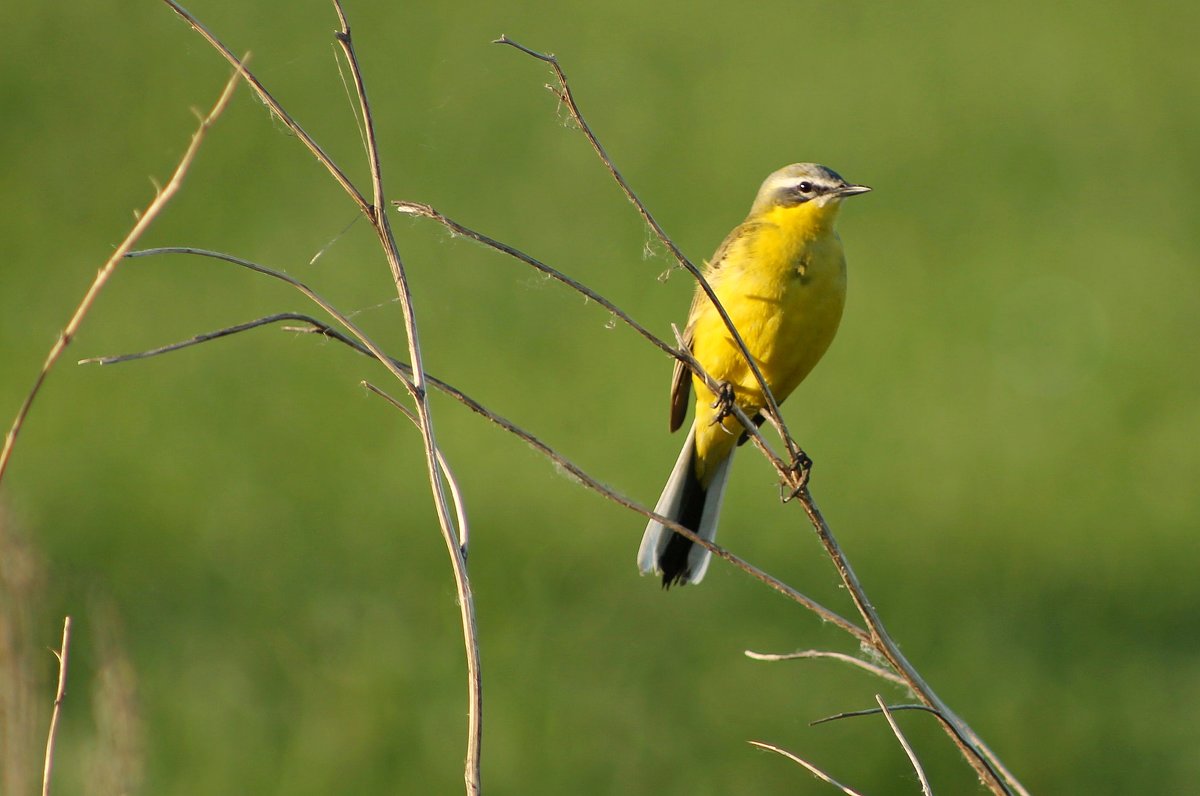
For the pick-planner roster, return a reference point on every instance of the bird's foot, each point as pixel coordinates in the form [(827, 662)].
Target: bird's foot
[(797, 477), (723, 402)]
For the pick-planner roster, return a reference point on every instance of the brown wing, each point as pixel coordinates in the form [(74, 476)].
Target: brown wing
[(681, 379), (681, 386)]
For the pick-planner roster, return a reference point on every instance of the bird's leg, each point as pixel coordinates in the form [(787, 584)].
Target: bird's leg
[(797, 480)]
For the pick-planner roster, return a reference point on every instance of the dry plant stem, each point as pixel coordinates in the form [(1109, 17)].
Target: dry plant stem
[(415, 384), (816, 772), (908, 750), (568, 98), (784, 469), (59, 695), (454, 546), (200, 338), (275, 107), (372, 349), (143, 223), (324, 330), (950, 728), (879, 638), (996, 778), (973, 750), (850, 714), (878, 671), (456, 494)]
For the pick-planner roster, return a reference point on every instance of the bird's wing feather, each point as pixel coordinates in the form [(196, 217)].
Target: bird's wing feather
[(681, 378), (681, 385)]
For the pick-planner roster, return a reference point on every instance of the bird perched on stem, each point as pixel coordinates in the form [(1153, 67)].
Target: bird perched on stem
[(781, 277)]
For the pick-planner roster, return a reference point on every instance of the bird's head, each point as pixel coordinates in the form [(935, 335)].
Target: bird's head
[(820, 190)]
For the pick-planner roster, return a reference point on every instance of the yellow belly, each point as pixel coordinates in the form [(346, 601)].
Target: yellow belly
[(784, 290)]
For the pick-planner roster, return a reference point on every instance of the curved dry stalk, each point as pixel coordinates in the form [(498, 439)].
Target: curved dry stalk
[(456, 494), (878, 671), (404, 375), (200, 338), (378, 218), (560, 461), (904, 744), (947, 725), (466, 600), (680, 353), (275, 107), (567, 98), (59, 696), (976, 753), (851, 714), (816, 772), (144, 220)]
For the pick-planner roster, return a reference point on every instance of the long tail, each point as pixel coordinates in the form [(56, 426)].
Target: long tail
[(686, 501)]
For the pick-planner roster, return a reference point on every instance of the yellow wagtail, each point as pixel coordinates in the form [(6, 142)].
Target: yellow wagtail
[(781, 277)]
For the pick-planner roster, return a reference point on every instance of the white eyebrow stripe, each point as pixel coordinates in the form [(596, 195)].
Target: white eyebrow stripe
[(794, 182)]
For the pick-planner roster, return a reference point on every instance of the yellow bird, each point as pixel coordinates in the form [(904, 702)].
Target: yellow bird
[(781, 277)]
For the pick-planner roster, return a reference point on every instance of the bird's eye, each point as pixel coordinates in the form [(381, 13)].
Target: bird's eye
[(805, 187)]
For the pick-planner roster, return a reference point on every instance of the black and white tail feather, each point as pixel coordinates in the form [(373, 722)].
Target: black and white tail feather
[(686, 501)]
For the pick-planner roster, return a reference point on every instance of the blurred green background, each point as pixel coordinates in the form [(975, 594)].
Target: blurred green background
[(1005, 431)]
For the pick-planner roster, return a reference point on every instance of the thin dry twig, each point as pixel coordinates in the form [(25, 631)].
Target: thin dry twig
[(456, 494), (275, 107), (867, 666), (976, 753), (567, 98), (59, 696), (466, 600), (404, 375), (949, 727), (200, 338), (908, 750), (816, 772), (997, 778), (415, 383), (680, 353), (851, 714), (144, 220), (560, 461)]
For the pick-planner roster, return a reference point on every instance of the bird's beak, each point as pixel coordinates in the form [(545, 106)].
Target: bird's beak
[(852, 190)]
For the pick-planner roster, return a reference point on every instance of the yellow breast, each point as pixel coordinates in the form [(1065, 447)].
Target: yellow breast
[(783, 283)]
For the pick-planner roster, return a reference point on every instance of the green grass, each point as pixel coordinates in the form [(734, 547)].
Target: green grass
[(1005, 430)]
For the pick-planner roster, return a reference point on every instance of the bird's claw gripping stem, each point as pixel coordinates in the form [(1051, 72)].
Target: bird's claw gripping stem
[(798, 475)]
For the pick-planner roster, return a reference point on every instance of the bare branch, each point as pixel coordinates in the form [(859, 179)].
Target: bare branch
[(878, 671), (201, 338), (973, 750), (908, 750), (59, 696), (374, 350), (795, 478), (562, 462), (426, 211), (680, 353), (970, 745), (452, 482), (275, 107), (565, 96), (816, 772), (466, 600), (144, 220), (951, 729), (851, 714)]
